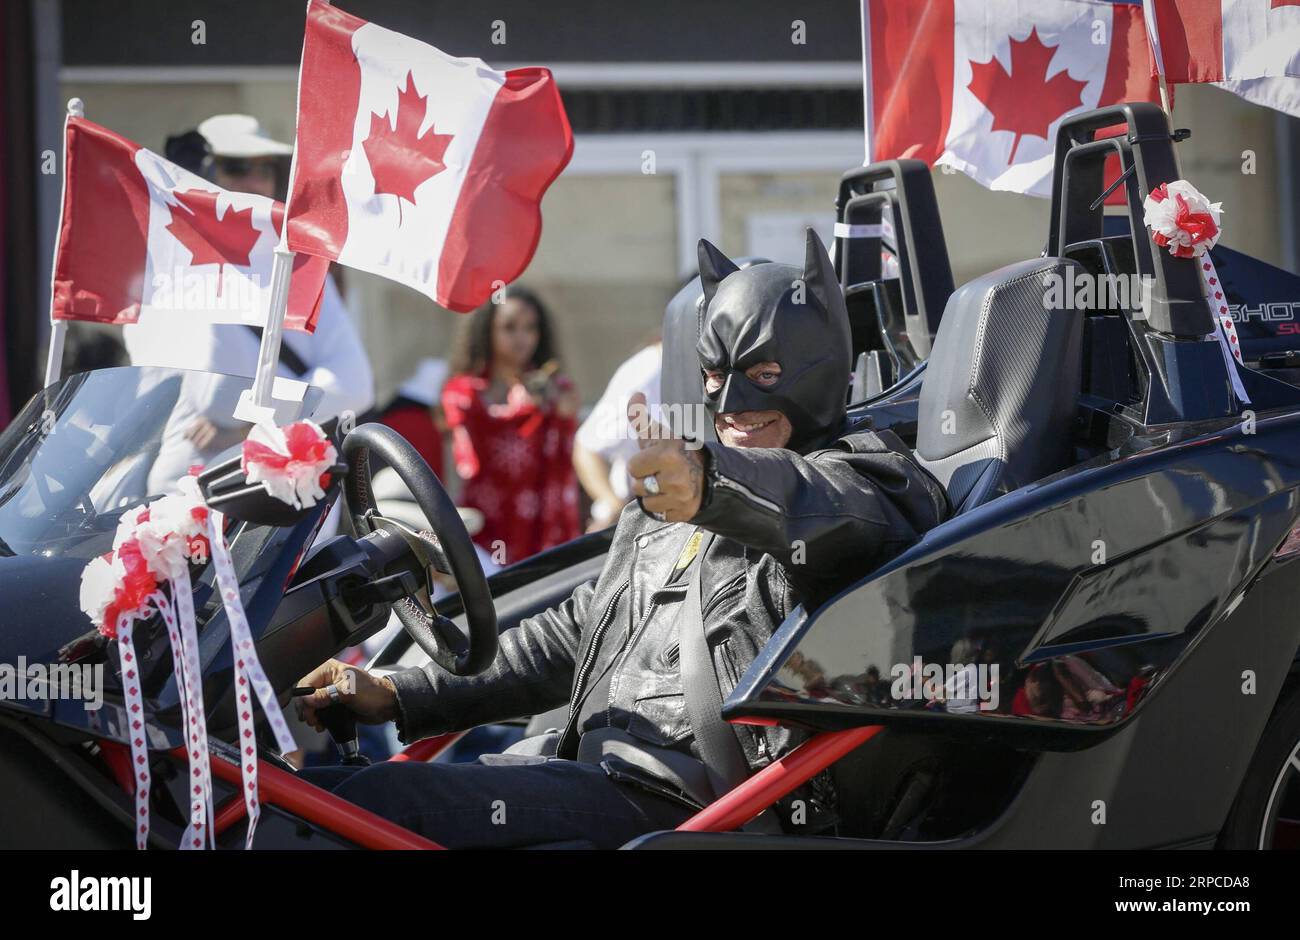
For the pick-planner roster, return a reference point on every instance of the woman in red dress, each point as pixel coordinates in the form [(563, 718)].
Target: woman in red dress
[(512, 416)]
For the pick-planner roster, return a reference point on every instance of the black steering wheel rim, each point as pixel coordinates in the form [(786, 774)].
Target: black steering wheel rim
[(436, 635)]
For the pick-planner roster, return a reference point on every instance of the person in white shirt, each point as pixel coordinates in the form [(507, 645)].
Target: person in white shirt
[(603, 447)]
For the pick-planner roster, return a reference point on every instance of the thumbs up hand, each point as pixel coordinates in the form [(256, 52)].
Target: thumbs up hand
[(667, 476)]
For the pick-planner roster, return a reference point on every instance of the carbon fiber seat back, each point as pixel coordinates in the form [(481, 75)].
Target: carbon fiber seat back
[(1000, 392)]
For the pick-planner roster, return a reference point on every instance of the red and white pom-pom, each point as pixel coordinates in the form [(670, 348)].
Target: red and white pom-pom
[(172, 535), (127, 524), (291, 462), (99, 581), (153, 544), (1182, 219), (116, 584)]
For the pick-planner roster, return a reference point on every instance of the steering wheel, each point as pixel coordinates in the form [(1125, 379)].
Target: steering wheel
[(447, 547)]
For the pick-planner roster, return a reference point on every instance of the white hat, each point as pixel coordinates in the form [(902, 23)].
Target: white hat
[(425, 384), (240, 135)]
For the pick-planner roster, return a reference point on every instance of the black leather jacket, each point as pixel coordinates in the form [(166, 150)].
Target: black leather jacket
[(792, 529)]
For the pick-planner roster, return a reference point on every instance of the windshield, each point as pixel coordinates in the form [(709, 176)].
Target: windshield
[(81, 453), (97, 443)]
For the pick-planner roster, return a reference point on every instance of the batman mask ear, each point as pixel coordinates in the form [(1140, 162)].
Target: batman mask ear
[(818, 272), (714, 266)]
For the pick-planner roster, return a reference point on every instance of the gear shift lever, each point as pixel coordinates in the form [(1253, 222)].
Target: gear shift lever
[(342, 727)]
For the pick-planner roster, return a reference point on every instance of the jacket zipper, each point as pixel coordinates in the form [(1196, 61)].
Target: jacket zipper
[(589, 660), (627, 648)]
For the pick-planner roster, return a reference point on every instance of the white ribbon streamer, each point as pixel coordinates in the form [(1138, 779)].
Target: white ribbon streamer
[(179, 674), (194, 721), (182, 632), (183, 640), (248, 672), (1225, 329), (136, 733), (183, 593)]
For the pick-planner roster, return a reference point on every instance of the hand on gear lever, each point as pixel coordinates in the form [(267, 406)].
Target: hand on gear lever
[(341, 724), (334, 696)]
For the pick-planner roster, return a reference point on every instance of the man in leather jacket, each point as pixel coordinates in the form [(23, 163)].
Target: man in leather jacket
[(783, 509)]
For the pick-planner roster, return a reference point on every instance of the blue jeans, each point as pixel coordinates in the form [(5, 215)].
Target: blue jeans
[(504, 801)]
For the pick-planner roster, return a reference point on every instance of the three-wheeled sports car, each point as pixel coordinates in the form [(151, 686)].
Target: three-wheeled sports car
[(1097, 649)]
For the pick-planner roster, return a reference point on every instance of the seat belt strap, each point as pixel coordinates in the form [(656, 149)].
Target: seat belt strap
[(724, 759)]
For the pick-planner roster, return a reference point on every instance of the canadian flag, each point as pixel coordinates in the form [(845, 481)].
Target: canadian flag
[(418, 166), (1250, 47), (982, 85), (141, 238)]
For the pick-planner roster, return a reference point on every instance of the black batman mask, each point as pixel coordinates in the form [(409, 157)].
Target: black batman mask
[(777, 313)]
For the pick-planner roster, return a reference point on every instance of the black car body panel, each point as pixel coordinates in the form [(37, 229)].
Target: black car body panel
[(1077, 566)]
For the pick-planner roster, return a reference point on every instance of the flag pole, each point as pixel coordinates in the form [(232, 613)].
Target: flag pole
[(1153, 39), (59, 328), (258, 404), (268, 353), (867, 104)]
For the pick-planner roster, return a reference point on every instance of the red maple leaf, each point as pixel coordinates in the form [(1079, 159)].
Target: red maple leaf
[(401, 159), (212, 240), (1025, 100)]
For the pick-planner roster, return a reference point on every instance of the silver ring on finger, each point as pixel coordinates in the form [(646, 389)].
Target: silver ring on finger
[(332, 691), (651, 484)]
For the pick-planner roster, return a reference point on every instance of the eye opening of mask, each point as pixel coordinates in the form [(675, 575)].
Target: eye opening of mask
[(720, 375)]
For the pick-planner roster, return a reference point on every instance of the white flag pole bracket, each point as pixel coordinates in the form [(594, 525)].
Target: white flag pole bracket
[(59, 328), (273, 398), (54, 359)]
